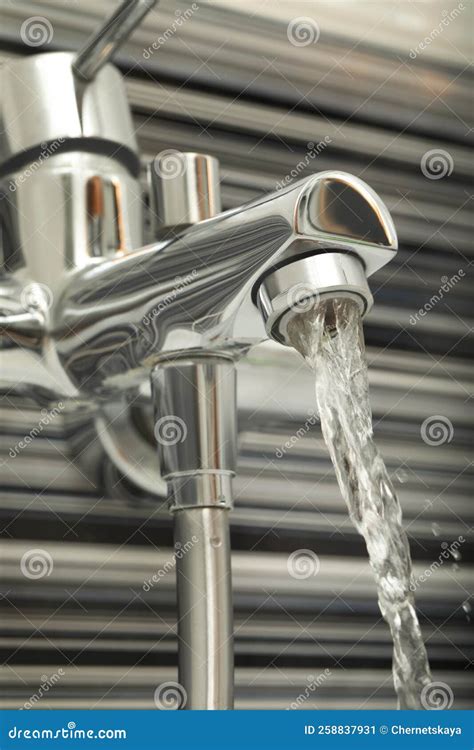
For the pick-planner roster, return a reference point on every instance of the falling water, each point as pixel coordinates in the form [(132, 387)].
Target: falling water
[(338, 361)]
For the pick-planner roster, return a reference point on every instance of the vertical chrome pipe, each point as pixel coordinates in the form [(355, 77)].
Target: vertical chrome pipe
[(195, 430), (100, 48), (205, 617)]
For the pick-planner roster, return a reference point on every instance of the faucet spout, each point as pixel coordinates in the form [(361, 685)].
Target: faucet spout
[(119, 317)]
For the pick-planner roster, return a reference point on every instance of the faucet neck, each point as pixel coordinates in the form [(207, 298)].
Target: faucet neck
[(195, 429)]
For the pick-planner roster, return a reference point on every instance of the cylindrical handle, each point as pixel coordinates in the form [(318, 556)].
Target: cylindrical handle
[(113, 33), (184, 189)]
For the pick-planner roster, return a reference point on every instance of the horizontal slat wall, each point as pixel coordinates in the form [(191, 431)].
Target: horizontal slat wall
[(233, 86)]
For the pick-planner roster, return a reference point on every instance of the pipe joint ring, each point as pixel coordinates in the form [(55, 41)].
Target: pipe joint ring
[(200, 489)]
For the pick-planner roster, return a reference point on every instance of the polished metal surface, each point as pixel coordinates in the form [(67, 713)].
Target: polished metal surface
[(61, 111), (98, 215), (297, 286), (196, 434), (184, 189), (205, 617), (195, 429), (381, 113), (128, 448), (106, 309), (104, 43), (133, 309), (69, 198)]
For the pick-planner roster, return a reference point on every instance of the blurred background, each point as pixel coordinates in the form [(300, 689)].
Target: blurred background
[(275, 90)]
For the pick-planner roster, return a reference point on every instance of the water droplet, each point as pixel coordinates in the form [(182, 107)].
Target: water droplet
[(216, 541), (467, 609), (455, 567), (436, 529), (456, 554)]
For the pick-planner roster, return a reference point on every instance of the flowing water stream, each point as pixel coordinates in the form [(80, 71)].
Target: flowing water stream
[(342, 396)]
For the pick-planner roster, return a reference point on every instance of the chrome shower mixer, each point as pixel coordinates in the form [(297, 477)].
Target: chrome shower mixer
[(96, 314)]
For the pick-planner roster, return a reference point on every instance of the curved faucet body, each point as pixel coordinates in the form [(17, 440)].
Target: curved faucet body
[(109, 321), (185, 293)]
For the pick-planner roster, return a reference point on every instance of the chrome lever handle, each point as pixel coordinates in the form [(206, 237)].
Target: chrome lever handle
[(102, 45)]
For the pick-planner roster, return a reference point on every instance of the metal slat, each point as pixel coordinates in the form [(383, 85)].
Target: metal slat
[(246, 61)]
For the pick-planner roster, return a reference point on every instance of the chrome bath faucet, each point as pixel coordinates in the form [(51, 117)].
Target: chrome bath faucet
[(106, 297)]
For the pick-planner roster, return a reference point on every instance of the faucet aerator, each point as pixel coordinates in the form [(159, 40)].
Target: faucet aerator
[(300, 284)]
